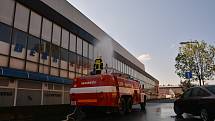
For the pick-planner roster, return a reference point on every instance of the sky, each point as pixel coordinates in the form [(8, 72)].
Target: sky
[(151, 30)]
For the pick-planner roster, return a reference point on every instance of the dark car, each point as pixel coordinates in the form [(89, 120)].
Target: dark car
[(199, 101)]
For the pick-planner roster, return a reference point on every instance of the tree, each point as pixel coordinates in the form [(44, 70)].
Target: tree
[(197, 57)]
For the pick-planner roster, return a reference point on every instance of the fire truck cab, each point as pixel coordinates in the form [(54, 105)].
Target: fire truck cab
[(113, 92)]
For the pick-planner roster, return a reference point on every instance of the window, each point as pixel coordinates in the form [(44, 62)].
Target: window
[(5, 33), (21, 17), (65, 39), (33, 48), (6, 11), (64, 54), (195, 92), (46, 30), (211, 89), (64, 58), (115, 63), (44, 49), (79, 64), (90, 51), (129, 70), (79, 46), (86, 65), (72, 42), (123, 67), (119, 65), (19, 40), (91, 63), (203, 93), (72, 61), (186, 94), (55, 52), (35, 24), (198, 92), (56, 34), (33, 45), (85, 49)]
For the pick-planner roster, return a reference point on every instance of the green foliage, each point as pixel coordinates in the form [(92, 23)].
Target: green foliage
[(197, 57)]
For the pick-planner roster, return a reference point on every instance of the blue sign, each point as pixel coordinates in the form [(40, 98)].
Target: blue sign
[(32, 52), (18, 47), (188, 75)]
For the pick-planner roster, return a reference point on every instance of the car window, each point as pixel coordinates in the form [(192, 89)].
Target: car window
[(195, 92), (186, 94), (202, 93), (211, 89)]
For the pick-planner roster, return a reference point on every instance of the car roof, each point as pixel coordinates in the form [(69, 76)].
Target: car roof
[(204, 87)]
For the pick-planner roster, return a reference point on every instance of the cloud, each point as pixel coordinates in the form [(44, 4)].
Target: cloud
[(144, 57)]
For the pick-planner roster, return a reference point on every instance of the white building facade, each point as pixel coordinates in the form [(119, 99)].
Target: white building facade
[(44, 44)]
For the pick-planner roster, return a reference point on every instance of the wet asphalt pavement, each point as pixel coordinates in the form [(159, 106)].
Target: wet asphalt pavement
[(153, 112)]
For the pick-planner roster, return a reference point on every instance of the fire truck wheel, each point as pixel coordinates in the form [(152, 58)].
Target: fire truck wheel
[(129, 105), (122, 106)]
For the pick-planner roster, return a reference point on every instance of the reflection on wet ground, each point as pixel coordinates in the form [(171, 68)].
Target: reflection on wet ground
[(153, 112)]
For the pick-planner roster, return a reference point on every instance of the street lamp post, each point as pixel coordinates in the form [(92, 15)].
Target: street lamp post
[(188, 42)]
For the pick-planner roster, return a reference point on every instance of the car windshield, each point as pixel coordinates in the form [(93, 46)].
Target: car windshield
[(211, 89)]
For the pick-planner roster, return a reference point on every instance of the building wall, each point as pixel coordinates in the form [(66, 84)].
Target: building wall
[(31, 41)]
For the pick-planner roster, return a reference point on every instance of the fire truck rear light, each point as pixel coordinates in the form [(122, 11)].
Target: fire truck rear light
[(74, 85)]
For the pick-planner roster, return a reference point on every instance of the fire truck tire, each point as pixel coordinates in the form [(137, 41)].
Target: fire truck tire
[(129, 105), (122, 106)]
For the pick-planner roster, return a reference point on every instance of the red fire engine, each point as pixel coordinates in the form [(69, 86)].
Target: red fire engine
[(114, 92)]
